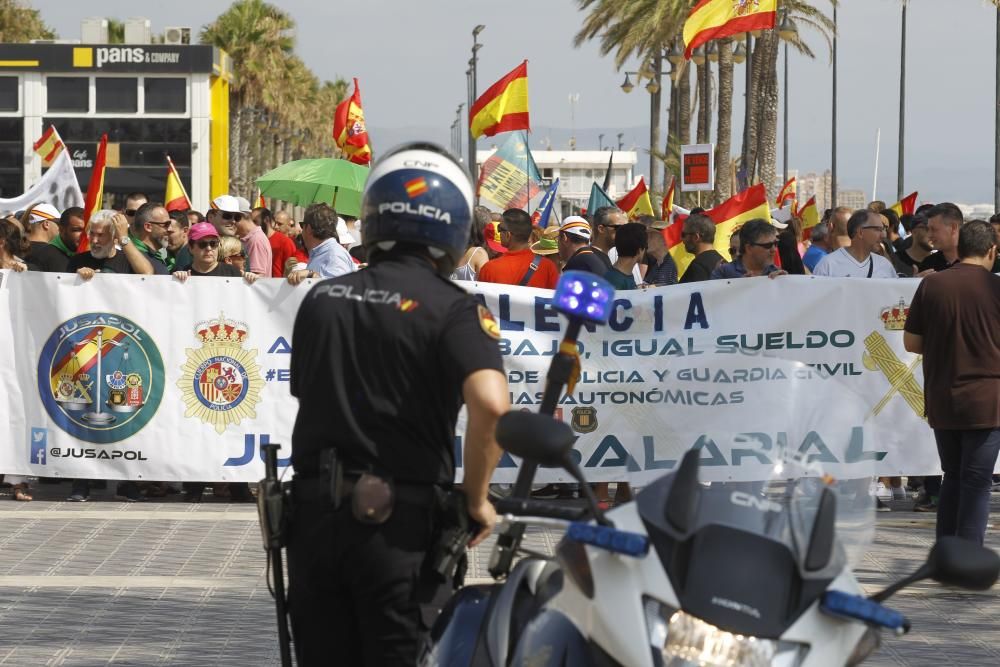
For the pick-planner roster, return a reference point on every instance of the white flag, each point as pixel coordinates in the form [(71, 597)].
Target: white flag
[(58, 186)]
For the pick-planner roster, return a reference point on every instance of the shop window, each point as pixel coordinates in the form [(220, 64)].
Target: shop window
[(117, 95), (8, 93), (165, 95), (68, 93)]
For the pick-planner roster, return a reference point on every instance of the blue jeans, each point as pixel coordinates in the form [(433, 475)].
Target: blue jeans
[(967, 459)]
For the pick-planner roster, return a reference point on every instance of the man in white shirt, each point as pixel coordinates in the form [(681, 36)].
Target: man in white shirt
[(859, 260)]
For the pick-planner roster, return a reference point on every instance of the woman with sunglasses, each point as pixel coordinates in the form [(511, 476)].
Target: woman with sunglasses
[(758, 244), (203, 240)]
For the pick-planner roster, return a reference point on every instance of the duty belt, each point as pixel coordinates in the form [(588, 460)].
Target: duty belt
[(317, 488)]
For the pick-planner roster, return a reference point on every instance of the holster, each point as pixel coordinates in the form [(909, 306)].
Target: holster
[(447, 557), (274, 512)]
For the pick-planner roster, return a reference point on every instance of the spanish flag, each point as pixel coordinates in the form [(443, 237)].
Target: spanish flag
[(906, 206), (49, 146), (503, 107), (787, 194), (736, 210), (349, 131), (95, 193), (715, 19), (636, 202), (808, 214), (667, 206), (176, 197)]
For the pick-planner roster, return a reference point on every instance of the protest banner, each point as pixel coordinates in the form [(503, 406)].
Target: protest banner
[(186, 381)]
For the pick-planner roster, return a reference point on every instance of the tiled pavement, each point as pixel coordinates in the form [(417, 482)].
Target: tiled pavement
[(169, 583)]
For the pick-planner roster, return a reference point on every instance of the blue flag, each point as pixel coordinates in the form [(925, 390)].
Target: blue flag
[(544, 210), (598, 198)]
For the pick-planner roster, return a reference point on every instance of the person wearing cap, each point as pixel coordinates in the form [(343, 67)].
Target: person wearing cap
[(491, 237), (203, 240), (41, 222), (661, 268), (258, 248), (282, 247), (107, 232), (548, 245), (519, 266), (54, 257), (327, 258), (575, 250), (149, 234), (224, 213)]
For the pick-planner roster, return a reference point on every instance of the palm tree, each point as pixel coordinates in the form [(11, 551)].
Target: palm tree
[(724, 130), (20, 23), (116, 31)]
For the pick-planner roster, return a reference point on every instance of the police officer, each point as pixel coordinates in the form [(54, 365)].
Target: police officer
[(382, 360)]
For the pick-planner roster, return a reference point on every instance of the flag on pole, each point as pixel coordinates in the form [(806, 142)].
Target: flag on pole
[(175, 196), (906, 206), (715, 19), (49, 146), (260, 203), (544, 211), (504, 105), (788, 193), (598, 199), (636, 202), (667, 206), (607, 173), (736, 210), (502, 177), (808, 214), (349, 131), (95, 193)]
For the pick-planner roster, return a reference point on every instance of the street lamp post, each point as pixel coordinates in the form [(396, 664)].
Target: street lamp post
[(472, 97), (902, 105), (600, 142), (654, 74), (788, 32), (833, 143), (620, 144)]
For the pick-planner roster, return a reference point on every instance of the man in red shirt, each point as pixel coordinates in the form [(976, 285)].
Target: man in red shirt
[(519, 266), (282, 247)]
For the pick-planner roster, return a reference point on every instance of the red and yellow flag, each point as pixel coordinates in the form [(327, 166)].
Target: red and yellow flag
[(667, 206), (175, 196), (95, 193), (504, 105), (736, 210), (637, 201), (808, 214), (49, 146), (906, 206), (715, 19), (788, 193), (349, 129)]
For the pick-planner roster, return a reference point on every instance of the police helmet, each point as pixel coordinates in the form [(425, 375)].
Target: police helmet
[(418, 194)]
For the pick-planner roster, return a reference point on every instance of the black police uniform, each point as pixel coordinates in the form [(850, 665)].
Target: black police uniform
[(378, 361)]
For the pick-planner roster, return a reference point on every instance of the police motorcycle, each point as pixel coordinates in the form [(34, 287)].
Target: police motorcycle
[(700, 570)]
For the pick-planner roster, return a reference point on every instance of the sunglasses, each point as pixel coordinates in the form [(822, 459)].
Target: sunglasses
[(130, 212), (207, 244), (877, 227), (771, 245), (235, 217), (159, 224)]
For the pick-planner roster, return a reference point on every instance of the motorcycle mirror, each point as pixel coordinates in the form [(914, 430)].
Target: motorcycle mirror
[(535, 437), (965, 564), (682, 500)]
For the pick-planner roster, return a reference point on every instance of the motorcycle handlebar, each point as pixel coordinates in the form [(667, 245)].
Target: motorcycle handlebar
[(540, 508)]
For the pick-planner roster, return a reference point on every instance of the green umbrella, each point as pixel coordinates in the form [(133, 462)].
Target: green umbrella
[(303, 182)]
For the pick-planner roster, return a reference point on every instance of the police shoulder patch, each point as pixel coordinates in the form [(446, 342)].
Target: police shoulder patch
[(488, 322)]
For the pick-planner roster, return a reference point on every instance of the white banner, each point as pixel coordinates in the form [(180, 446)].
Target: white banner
[(147, 378), (58, 186)]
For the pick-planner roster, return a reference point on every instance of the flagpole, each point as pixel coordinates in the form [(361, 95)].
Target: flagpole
[(527, 172), (833, 157)]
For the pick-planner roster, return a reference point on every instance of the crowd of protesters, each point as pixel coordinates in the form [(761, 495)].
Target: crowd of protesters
[(233, 239)]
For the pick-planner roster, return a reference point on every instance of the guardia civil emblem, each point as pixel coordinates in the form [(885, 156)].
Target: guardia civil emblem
[(584, 419), (221, 380)]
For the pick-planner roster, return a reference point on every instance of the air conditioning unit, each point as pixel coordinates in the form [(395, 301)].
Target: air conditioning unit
[(177, 35), (137, 31), (94, 30)]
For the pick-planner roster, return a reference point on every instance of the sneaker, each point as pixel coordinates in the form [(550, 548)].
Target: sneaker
[(881, 506), (129, 492), (78, 497)]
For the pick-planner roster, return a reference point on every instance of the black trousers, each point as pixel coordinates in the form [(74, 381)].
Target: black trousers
[(361, 594)]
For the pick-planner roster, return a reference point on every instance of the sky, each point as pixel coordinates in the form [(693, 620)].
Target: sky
[(411, 57)]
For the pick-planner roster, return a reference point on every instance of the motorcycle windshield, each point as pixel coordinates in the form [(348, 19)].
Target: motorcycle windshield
[(751, 552)]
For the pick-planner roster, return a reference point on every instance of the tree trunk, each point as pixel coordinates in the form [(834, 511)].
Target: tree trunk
[(754, 99), (704, 102), (236, 143), (767, 134), (656, 108), (724, 130)]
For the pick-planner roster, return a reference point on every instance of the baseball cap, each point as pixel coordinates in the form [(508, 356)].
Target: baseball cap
[(227, 203), (200, 230), (40, 212), (577, 226), (492, 236), (548, 244), (659, 225), (244, 204)]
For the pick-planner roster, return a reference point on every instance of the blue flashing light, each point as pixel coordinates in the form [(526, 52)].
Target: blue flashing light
[(584, 295), (861, 608), (609, 539)]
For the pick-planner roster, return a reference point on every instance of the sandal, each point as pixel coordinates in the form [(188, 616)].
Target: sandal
[(22, 493)]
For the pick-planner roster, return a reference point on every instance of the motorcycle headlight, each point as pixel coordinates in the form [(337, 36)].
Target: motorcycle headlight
[(679, 639)]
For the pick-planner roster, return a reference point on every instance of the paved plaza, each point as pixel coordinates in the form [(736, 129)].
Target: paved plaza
[(171, 583)]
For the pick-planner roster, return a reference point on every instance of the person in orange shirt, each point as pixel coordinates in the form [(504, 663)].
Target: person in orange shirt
[(520, 266)]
